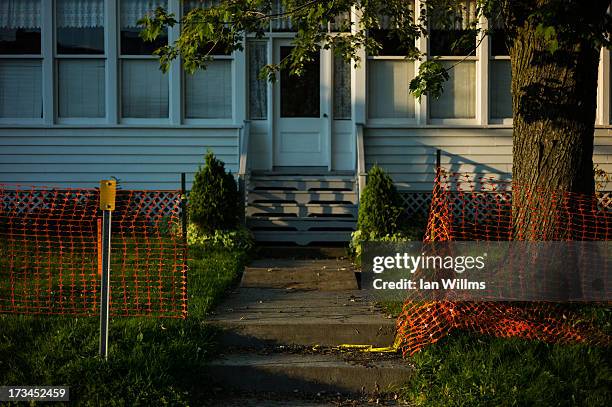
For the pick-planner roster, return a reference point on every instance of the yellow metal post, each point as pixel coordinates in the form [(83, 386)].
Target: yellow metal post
[(107, 205), (108, 191)]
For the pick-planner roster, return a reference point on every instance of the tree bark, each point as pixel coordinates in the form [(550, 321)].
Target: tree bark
[(554, 104)]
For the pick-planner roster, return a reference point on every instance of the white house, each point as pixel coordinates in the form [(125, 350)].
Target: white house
[(81, 99)]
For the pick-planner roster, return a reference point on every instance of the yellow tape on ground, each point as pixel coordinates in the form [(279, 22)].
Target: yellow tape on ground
[(371, 348)]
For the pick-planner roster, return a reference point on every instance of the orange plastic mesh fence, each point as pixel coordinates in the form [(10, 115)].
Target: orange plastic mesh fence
[(468, 208), (50, 253)]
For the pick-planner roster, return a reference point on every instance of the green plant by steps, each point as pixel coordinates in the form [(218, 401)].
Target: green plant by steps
[(358, 237), (380, 206), (381, 213), (214, 200), (240, 239)]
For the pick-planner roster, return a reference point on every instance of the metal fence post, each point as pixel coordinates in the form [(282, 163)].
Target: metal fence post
[(184, 207), (107, 205)]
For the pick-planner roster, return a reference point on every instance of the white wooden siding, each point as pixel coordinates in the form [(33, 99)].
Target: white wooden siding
[(148, 158), (409, 155)]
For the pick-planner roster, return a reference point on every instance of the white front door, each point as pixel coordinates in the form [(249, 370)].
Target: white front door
[(301, 121)]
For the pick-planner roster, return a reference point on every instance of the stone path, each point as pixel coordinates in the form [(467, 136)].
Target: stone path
[(280, 326)]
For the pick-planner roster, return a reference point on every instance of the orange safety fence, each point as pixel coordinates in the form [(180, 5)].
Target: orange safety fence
[(468, 208), (50, 252)]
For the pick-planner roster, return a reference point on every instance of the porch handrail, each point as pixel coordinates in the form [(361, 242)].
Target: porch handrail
[(243, 168), (244, 148), (361, 167)]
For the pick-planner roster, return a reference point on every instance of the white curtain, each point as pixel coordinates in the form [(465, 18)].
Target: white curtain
[(464, 17), (280, 24), (80, 13), (144, 89), (388, 95), (20, 14), (208, 93), (500, 85), (81, 88), (21, 85), (258, 88), (342, 89), (134, 10), (459, 98), (191, 4), (285, 24)]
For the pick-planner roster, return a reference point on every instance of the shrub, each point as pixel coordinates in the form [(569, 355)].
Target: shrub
[(214, 200), (240, 239), (380, 206)]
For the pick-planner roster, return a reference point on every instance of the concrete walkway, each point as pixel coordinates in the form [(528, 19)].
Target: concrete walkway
[(280, 326)]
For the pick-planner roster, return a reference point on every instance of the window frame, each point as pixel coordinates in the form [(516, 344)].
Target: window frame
[(476, 59), (44, 26), (496, 120), (57, 58), (395, 121), (333, 90), (392, 121), (266, 42), (215, 121), (506, 121), (233, 57), (120, 58)]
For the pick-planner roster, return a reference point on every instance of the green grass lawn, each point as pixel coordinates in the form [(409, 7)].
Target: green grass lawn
[(472, 370), (468, 369), (151, 361)]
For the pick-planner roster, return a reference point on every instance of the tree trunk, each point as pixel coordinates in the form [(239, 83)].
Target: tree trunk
[(554, 104)]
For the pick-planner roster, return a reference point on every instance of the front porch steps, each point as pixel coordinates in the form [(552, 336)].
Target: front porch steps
[(302, 209)]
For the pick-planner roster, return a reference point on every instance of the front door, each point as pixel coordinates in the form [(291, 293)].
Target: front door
[(301, 134)]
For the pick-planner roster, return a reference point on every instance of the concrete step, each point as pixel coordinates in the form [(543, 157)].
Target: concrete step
[(301, 252), (302, 197), (258, 317), (257, 184), (301, 224), (301, 211), (324, 275), (311, 373), (302, 238), (275, 176)]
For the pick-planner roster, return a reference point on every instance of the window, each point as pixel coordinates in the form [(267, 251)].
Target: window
[(500, 78), (300, 96), (342, 89), (80, 58), (144, 87), (389, 75), (459, 98), (20, 59), (257, 58), (339, 23), (208, 92), (453, 40)]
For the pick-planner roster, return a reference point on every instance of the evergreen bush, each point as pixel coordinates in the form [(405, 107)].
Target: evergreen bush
[(214, 200), (380, 206)]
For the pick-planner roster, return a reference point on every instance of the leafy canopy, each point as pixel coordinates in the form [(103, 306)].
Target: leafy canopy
[(205, 31)]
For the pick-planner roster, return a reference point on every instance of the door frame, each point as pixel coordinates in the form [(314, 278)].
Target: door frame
[(325, 100)]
